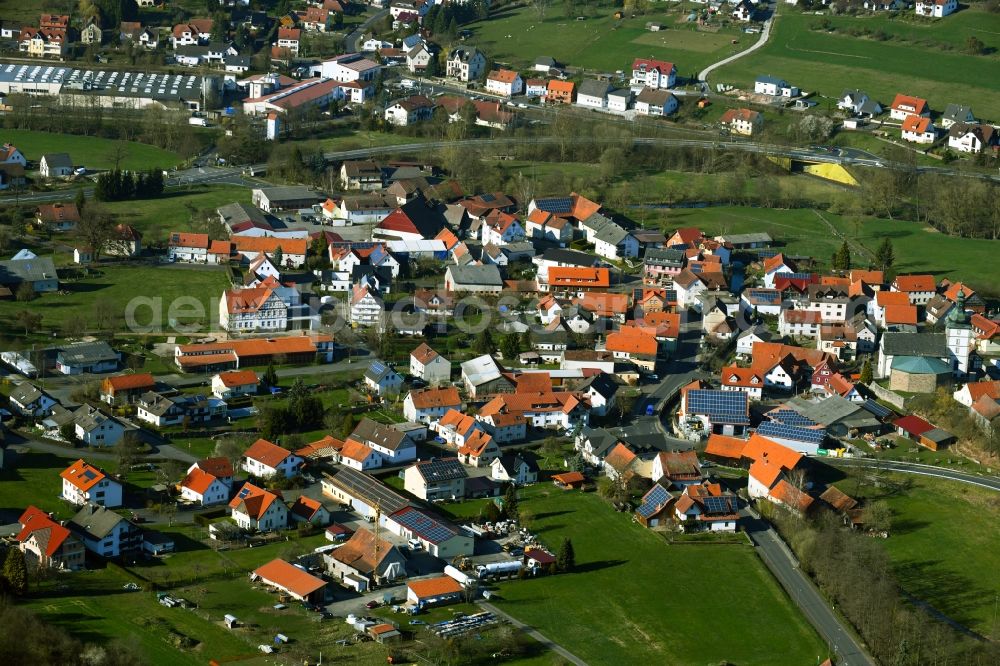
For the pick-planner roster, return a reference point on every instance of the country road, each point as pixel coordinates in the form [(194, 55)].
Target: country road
[(990, 482), (351, 41), (764, 36)]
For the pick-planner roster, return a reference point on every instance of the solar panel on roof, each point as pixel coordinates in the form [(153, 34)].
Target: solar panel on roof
[(654, 499), (724, 406), (377, 367), (796, 276), (881, 411), (718, 504), (424, 526), (244, 492), (560, 205), (791, 417), (783, 431), (439, 470), (488, 198)]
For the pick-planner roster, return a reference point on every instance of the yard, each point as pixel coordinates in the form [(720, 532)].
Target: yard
[(927, 59), (943, 545), (117, 285), (634, 594), (518, 36), (89, 151), (33, 478)]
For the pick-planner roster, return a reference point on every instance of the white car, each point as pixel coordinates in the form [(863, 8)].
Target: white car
[(414, 544)]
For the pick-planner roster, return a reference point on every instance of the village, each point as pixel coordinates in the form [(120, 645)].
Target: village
[(401, 332)]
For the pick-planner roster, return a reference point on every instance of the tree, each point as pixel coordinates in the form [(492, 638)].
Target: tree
[(484, 343), (68, 432), (25, 292), (510, 507), (81, 200), (577, 463), (15, 572), (974, 46), (866, 372), (566, 558), (270, 376), (127, 450), (842, 258), (28, 320), (490, 513), (885, 255), (878, 516), (96, 228), (510, 345), (231, 448), (278, 256)]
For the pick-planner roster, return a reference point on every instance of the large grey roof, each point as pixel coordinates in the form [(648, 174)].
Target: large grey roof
[(481, 369), (25, 393), (289, 193), (371, 432), (915, 344), (87, 353), (611, 233), (593, 88), (89, 418), (16, 271), (235, 213), (58, 160), (96, 522), (488, 275), (570, 257), (665, 257), (370, 490), (834, 410)]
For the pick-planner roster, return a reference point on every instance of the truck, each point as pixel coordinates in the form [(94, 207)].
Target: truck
[(200, 122), (463, 579), (407, 83), (507, 568)]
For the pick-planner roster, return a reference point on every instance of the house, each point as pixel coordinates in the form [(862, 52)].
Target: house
[(89, 357), (544, 64), (634, 345), (519, 468), (430, 366), (365, 560), (409, 111), (465, 63), (918, 129), (655, 102), (919, 289), (429, 405), (439, 591), (308, 510), (256, 509), (650, 73), (744, 11), (619, 461), (382, 380), (104, 532), (708, 411), (82, 483), (748, 380), (743, 121), (957, 114), (265, 460), (441, 478), (906, 105), (614, 242), (291, 580), (234, 384), (776, 265), (55, 165), (504, 82), (95, 428), (474, 279), (479, 450), (936, 8), (418, 58), (543, 225), (9, 154), (593, 94), (162, 411), (205, 488), (391, 444), (707, 507), (676, 469), (973, 138), (774, 87), (46, 543), (28, 400), (253, 309), (559, 92), (620, 100), (771, 462), (600, 390), (288, 41), (501, 228), (367, 306), (660, 266), (858, 103), (971, 392), (483, 376), (126, 389), (359, 456), (576, 280), (58, 216), (535, 88), (655, 507)]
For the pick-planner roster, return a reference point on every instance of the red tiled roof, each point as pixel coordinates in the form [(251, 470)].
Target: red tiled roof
[(430, 398), (724, 446), (83, 475), (35, 520), (267, 453), (290, 577), (128, 382), (619, 458), (912, 425), (916, 103), (219, 467), (198, 481), (918, 124), (631, 341), (791, 496), (434, 587), (238, 378), (912, 283), (901, 314), (254, 502)]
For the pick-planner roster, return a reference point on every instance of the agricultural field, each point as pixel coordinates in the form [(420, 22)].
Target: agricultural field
[(641, 612), (90, 151), (518, 36), (942, 544), (923, 58), (110, 288)]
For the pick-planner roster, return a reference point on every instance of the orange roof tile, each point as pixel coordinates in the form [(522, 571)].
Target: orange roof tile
[(901, 314), (238, 377), (603, 304), (791, 496), (198, 481), (430, 398), (290, 577), (574, 276), (112, 385), (83, 475), (434, 587), (619, 458), (355, 450), (724, 446), (268, 244), (912, 283), (267, 453), (631, 341)]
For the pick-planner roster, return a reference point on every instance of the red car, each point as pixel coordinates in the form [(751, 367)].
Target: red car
[(372, 604)]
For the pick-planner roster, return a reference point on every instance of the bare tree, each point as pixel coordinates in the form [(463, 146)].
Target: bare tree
[(97, 228)]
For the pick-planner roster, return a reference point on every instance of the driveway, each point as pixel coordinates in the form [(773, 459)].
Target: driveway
[(764, 35)]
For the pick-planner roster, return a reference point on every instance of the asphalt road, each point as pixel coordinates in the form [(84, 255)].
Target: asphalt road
[(776, 556), (764, 35), (991, 482), (351, 41)]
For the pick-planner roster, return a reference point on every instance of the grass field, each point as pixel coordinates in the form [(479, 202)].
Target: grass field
[(635, 595), (117, 285), (518, 36), (89, 151), (34, 478), (829, 62), (156, 218), (943, 546)]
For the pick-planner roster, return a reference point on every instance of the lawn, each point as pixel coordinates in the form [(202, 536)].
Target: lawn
[(829, 62), (89, 151), (518, 36), (156, 218), (118, 285), (34, 478), (634, 594), (943, 546)]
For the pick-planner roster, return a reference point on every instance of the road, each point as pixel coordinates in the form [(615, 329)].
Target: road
[(534, 633), (764, 35), (776, 556), (351, 41), (159, 451), (990, 482)]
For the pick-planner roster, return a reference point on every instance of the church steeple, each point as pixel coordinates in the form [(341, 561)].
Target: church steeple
[(958, 317)]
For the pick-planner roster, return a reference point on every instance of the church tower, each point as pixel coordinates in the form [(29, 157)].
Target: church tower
[(958, 332)]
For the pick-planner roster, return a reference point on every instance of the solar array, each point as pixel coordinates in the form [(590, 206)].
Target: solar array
[(370, 490), (89, 474), (782, 431), (244, 491), (653, 501), (764, 295), (791, 417), (376, 368), (718, 505), (721, 406), (488, 198), (444, 469), (796, 276), (423, 525), (880, 411), (560, 205)]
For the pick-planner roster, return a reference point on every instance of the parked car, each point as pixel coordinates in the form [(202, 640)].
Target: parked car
[(372, 604)]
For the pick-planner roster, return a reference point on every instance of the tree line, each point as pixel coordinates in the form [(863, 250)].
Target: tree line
[(118, 185)]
